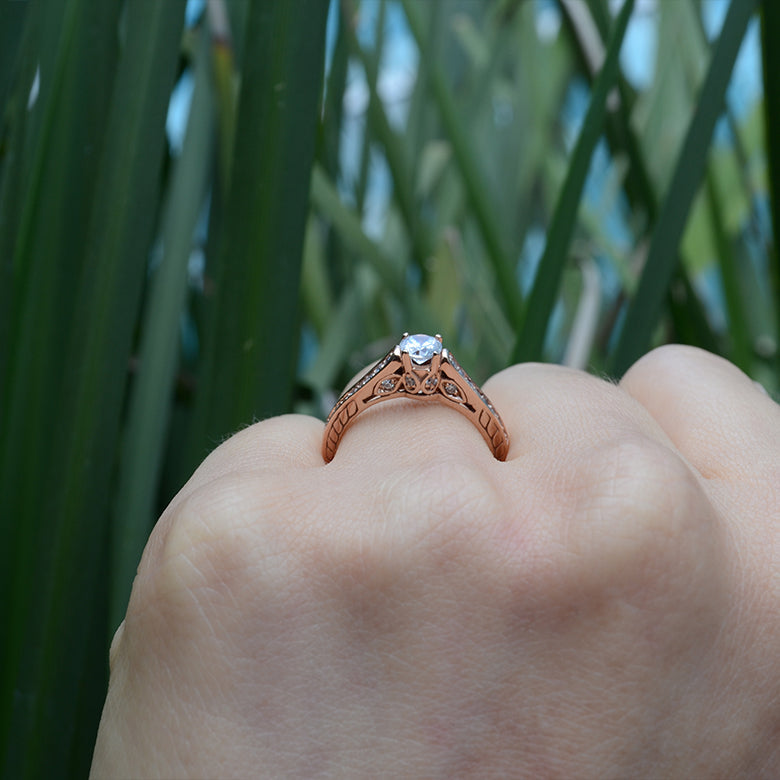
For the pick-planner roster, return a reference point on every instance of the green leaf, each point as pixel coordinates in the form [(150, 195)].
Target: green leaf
[(689, 320), (770, 34), (89, 210), (326, 200), (43, 146), (541, 300), (645, 307), (146, 427), (340, 336), (730, 278), (468, 166), (390, 139), (252, 336), (620, 133), (48, 173), (12, 18)]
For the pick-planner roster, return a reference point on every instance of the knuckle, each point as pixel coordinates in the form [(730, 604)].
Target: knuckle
[(204, 540), (642, 517), (412, 527), (666, 363), (206, 551), (632, 546)]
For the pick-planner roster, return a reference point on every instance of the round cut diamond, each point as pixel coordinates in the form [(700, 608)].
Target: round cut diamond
[(420, 348)]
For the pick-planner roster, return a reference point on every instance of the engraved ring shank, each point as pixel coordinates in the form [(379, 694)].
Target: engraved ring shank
[(421, 369)]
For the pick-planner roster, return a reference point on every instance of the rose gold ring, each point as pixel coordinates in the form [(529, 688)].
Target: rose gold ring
[(419, 367)]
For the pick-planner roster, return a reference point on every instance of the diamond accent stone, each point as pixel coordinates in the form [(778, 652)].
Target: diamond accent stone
[(420, 348), (387, 384)]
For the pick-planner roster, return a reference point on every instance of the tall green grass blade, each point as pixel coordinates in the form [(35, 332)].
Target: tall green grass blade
[(395, 154), (620, 133), (225, 78), (40, 249), (419, 119), (12, 18), (339, 337), (371, 73), (541, 301), (48, 136), (237, 15), (252, 343), (541, 89), (146, 427), (317, 288), (329, 151), (59, 532), (336, 263), (770, 34), (645, 307), (737, 149), (739, 335), (385, 269), (468, 166), (689, 319), (326, 200)]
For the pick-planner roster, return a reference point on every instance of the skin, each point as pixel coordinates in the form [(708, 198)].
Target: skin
[(604, 604)]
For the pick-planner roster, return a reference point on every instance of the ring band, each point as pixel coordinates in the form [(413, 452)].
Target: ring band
[(418, 367)]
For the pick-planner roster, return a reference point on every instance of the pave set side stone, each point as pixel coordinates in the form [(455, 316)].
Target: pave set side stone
[(454, 363), (421, 348), (388, 384), (485, 400), (363, 381)]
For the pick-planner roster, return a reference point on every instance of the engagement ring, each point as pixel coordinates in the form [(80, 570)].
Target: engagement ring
[(419, 367)]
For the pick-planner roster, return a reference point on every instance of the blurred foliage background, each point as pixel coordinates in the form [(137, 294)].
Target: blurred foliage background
[(213, 212)]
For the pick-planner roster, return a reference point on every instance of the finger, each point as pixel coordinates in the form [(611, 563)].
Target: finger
[(551, 413), (558, 413), (288, 441), (276, 445), (715, 415), (248, 461), (600, 499)]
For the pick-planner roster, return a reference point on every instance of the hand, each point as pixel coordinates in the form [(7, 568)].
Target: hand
[(606, 603)]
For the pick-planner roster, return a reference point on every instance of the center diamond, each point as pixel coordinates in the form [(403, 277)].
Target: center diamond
[(420, 348)]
